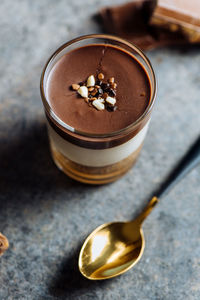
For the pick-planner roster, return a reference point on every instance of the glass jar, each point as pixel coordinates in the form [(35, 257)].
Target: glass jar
[(96, 158)]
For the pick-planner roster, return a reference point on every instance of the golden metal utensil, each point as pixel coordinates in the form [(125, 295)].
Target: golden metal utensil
[(114, 248)]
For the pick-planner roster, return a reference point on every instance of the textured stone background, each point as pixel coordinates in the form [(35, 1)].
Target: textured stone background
[(46, 216)]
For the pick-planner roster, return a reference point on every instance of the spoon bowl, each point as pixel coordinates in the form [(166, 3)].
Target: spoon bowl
[(114, 248), (111, 249)]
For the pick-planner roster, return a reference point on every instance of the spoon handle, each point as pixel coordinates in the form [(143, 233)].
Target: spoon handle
[(146, 211), (190, 160)]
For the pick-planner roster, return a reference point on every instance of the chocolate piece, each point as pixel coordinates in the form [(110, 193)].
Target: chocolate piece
[(179, 16), (105, 86), (105, 95), (132, 22), (112, 93), (111, 108), (99, 82)]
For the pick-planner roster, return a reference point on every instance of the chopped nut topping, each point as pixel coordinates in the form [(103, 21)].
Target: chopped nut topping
[(111, 100), (98, 104), (100, 76), (83, 91), (111, 80), (90, 89), (113, 85), (105, 86), (75, 86), (96, 93), (90, 81), (86, 100), (105, 95)]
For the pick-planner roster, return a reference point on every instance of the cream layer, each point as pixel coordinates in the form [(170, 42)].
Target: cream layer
[(96, 157)]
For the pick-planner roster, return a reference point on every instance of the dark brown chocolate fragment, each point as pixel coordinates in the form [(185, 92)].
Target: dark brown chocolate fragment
[(111, 108), (112, 93), (99, 82), (104, 86)]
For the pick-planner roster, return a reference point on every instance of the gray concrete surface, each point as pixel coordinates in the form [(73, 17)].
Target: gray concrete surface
[(46, 215)]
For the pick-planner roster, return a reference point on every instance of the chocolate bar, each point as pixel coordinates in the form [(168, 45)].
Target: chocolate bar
[(178, 16)]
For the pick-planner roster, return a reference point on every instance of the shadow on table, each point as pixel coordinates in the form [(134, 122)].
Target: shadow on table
[(28, 176), (68, 281), (26, 166)]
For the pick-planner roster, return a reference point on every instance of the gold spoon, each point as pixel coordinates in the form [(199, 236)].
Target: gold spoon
[(114, 248)]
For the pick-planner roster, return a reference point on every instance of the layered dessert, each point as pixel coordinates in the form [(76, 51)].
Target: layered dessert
[(98, 97)]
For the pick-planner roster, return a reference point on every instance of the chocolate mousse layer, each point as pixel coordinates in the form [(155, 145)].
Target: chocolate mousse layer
[(132, 96)]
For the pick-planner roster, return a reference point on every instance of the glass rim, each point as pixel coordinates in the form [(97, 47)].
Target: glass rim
[(64, 126)]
